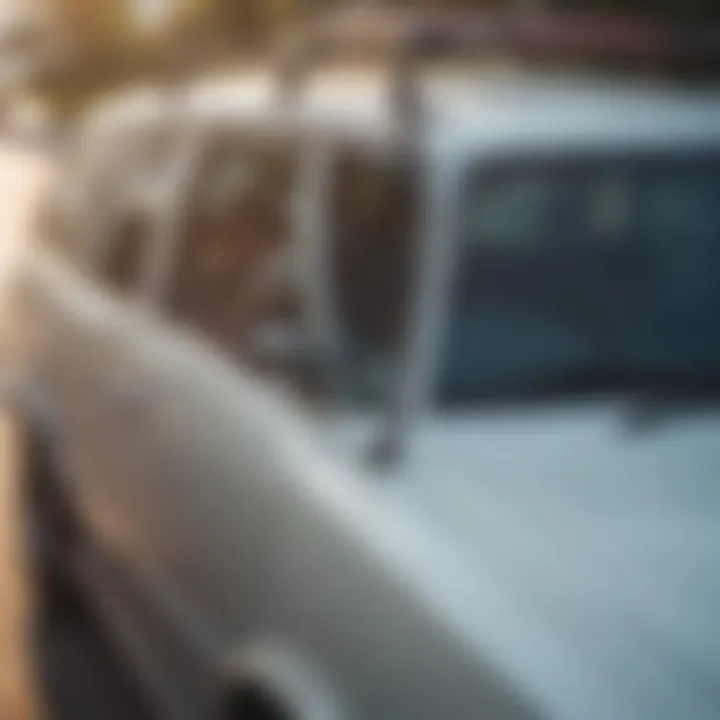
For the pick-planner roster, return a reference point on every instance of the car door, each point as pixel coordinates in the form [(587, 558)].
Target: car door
[(83, 316), (101, 330), (261, 539), (198, 524), (96, 339)]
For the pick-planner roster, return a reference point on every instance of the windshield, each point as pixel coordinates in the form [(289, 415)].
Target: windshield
[(595, 273)]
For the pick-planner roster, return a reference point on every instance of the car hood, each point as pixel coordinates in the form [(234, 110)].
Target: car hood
[(578, 548)]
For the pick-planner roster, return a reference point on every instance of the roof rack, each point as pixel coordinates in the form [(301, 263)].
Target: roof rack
[(630, 43)]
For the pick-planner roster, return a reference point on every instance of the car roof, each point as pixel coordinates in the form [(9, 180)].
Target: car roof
[(554, 114), (461, 112)]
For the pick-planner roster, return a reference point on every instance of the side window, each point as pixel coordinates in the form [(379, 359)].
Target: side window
[(515, 211), (605, 205), (680, 220), (373, 222), (61, 220), (548, 257), (616, 286), (118, 262), (127, 242), (92, 218), (238, 226)]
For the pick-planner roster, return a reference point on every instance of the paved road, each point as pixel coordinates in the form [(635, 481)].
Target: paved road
[(64, 670)]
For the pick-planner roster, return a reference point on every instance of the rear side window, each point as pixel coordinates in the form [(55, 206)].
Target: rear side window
[(122, 215), (92, 215), (62, 221), (127, 244), (239, 226)]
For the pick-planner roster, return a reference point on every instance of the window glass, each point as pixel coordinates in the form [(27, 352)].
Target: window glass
[(61, 221), (121, 214), (126, 246), (67, 220), (515, 210), (373, 231), (606, 205), (238, 227), (617, 287), (681, 218), (97, 211)]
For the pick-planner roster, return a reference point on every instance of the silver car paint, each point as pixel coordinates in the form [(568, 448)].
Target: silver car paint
[(215, 491), (545, 563)]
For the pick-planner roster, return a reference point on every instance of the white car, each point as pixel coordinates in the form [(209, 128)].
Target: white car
[(497, 493)]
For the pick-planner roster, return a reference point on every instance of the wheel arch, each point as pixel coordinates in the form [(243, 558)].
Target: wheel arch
[(269, 681)]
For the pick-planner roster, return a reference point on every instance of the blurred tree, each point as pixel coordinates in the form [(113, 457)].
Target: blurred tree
[(99, 48), (251, 22), (106, 44), (93, 27)]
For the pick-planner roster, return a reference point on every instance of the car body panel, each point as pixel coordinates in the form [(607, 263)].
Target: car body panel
[(545, 561)]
